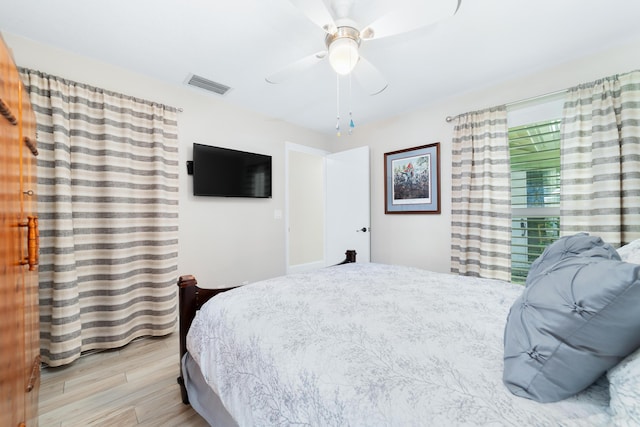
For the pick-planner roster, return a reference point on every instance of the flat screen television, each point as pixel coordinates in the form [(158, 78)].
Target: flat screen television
[(224, 172)]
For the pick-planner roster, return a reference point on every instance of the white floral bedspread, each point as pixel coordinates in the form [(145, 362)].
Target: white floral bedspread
[(370, 345)]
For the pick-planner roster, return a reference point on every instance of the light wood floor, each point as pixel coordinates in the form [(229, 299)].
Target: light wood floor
[(132, 386)]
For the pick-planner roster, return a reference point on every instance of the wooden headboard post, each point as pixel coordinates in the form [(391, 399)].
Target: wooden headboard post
[(190, 300), (350, 257), (187, 308)]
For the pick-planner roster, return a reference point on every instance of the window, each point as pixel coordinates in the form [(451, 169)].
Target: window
[(535, 192)]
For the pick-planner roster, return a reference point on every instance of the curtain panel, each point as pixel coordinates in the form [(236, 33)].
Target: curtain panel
[(481, 195), (108, 209), (600, 159)]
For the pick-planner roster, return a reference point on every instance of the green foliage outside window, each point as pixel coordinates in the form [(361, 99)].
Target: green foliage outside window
[(535, 188)]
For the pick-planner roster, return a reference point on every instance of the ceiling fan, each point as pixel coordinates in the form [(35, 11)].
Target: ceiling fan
[(344, 36)]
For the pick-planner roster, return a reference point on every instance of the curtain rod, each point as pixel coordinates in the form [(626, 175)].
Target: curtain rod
[(449, 119)]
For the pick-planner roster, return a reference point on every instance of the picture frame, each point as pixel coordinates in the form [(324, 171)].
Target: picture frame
[(412, 180)]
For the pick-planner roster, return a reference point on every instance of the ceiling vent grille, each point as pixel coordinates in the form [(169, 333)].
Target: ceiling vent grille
[(206, 84)]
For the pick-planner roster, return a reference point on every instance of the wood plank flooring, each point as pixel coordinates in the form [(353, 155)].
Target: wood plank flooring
[(132, 386)]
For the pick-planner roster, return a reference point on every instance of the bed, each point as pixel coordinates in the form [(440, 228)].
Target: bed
[(364, 344)]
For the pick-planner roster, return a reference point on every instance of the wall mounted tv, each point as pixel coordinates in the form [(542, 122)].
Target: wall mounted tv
[(224, 172)]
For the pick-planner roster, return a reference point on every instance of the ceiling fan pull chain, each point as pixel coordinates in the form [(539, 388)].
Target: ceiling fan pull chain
[(338, 104), (351, 125)]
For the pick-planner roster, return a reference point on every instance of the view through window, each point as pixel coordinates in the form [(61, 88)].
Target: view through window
[(535, 192)]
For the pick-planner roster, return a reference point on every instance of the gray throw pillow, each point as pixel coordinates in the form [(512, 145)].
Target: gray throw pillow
[(577, 317)]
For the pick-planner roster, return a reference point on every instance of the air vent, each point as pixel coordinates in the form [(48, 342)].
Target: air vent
[(208, 85)]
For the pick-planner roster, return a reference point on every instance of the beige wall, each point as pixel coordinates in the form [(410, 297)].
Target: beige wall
[(228, 241), (222, 241), (424, 240)]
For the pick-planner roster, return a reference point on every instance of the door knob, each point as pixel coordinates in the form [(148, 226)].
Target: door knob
[(363, 229)]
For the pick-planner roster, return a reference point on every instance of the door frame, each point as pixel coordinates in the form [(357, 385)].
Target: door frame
[(289, 147)]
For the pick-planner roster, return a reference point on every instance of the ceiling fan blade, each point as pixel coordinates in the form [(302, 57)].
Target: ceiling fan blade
[(420, 14), (296, 67), (369, 77), (317, 12)]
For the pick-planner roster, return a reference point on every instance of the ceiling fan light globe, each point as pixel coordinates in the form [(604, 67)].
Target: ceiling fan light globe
[(343, 55)]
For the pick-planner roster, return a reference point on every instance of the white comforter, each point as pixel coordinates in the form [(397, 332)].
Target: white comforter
[(370, 345)]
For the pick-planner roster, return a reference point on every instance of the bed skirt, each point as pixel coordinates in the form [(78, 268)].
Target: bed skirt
[(202, 398)]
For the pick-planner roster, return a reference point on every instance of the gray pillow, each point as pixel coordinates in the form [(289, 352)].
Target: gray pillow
[(577, 317)]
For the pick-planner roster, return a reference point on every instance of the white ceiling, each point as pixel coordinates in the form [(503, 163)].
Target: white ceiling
[(240, 42)]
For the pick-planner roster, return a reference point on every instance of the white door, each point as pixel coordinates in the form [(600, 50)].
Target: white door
[(347, 205)]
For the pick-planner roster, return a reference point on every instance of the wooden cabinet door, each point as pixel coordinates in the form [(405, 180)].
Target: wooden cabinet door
[(30, 255), (19, 329), (11, 337)]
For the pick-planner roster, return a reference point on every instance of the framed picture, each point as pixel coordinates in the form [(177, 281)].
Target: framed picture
[(412, 180)]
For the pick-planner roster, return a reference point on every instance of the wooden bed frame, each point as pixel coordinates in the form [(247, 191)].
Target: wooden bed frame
[(191, 297)]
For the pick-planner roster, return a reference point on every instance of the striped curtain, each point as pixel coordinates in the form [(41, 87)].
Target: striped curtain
[(600, 159), (481, 195), (108, 208)]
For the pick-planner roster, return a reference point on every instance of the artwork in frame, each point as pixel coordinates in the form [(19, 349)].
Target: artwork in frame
[(412, 180)]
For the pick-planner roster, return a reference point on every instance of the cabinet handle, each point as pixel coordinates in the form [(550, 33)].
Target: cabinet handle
[(33, 242), (6, 112), (32, 145), (33, 378)]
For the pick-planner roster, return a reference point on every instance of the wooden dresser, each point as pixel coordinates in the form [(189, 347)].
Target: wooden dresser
[(19, 328)]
